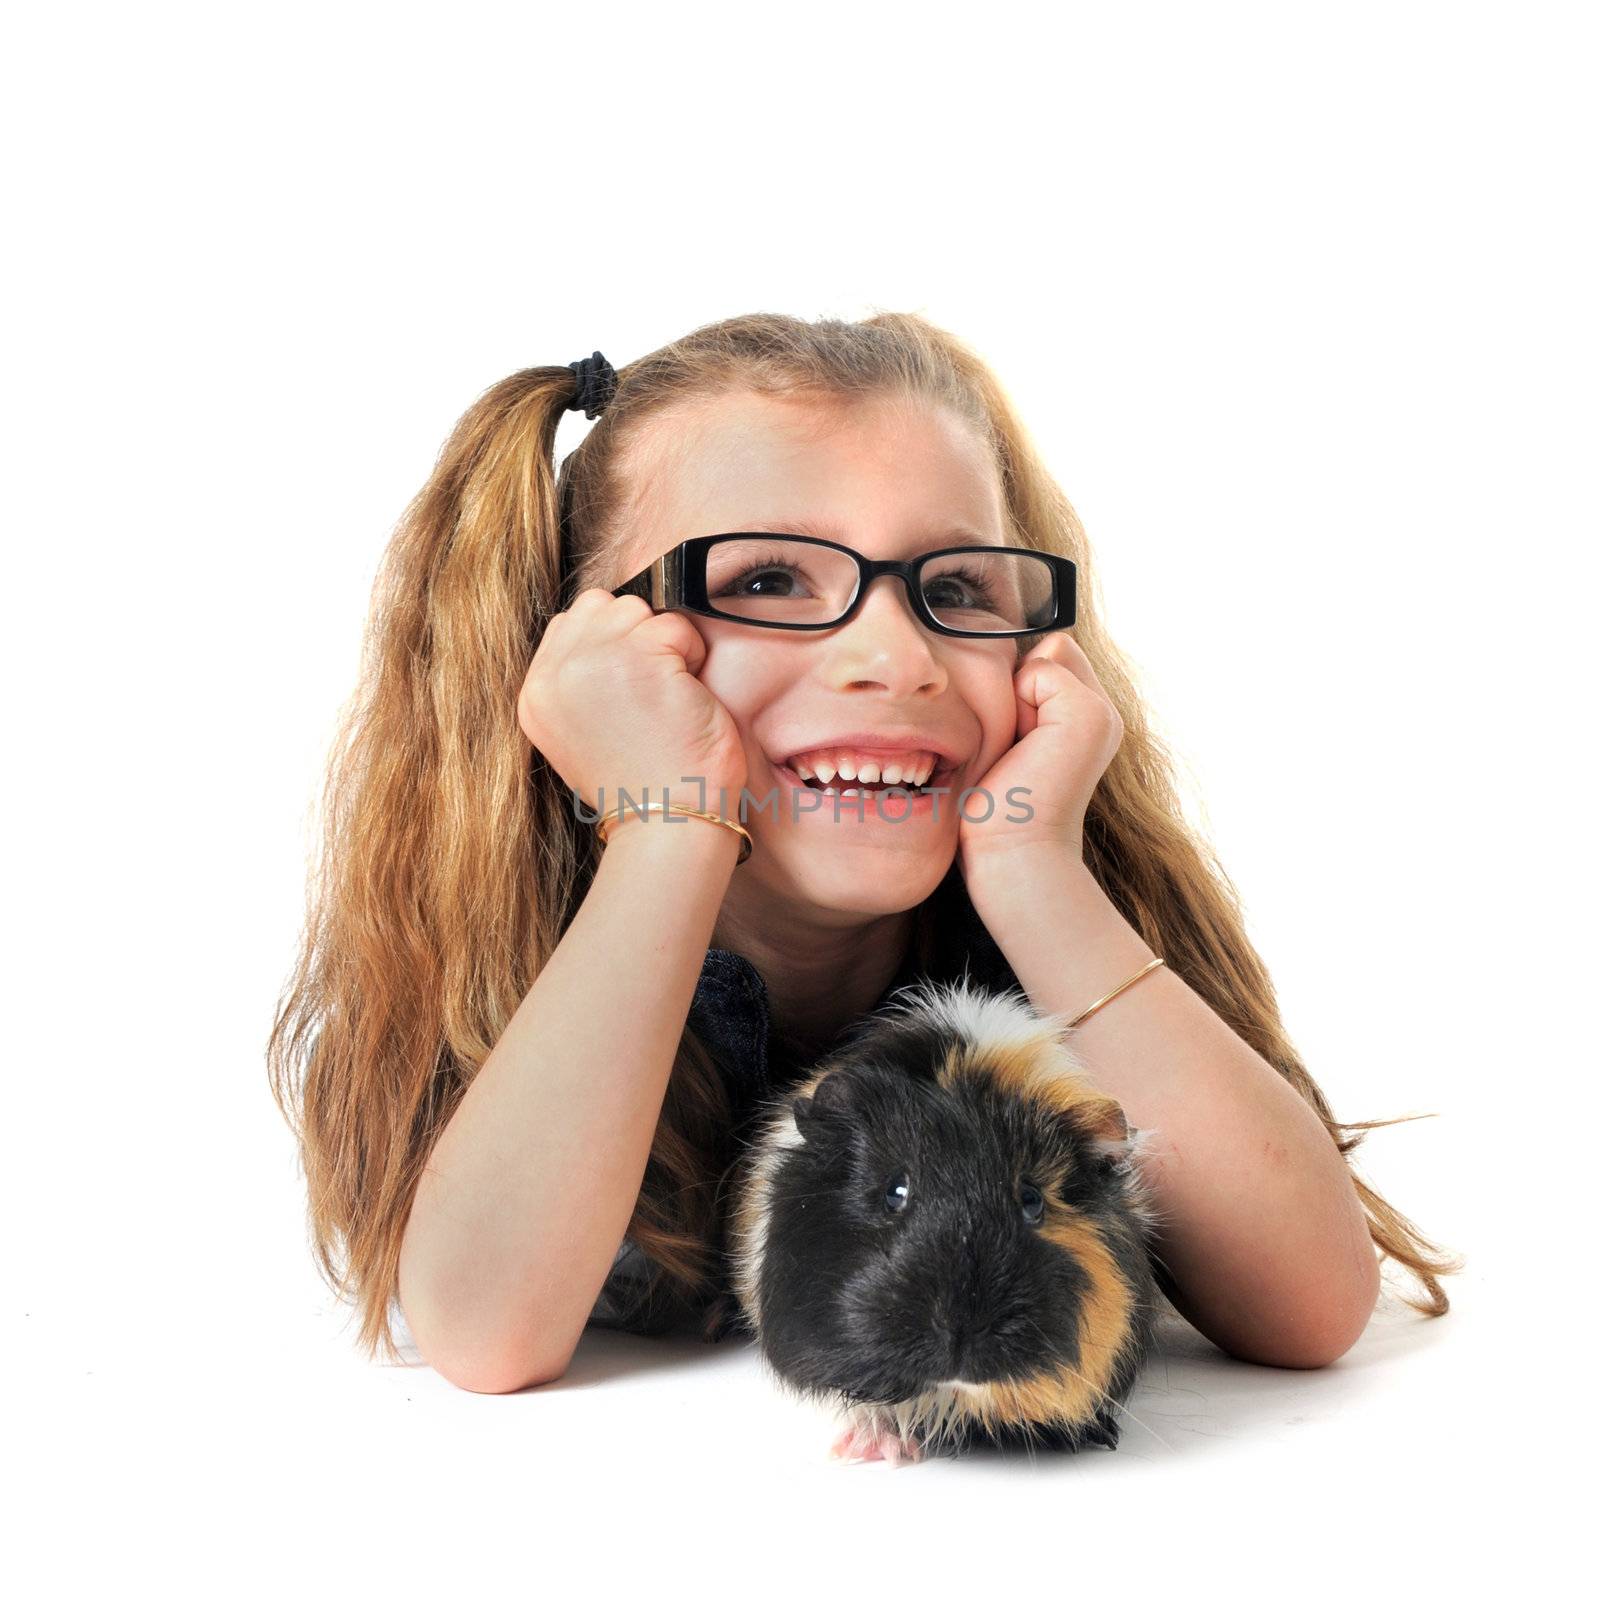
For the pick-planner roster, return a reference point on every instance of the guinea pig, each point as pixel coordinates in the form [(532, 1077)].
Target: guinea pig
[(942, 1230)]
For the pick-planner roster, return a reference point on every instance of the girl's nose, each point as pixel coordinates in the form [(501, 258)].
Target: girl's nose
[(885, 640)]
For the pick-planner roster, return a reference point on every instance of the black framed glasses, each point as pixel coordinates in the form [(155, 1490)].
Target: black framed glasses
[(792, 580)]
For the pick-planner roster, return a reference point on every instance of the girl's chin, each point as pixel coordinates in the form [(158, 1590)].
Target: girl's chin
[(877, 868)]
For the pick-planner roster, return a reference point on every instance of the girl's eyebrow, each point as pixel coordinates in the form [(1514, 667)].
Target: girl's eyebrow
[(824, 530)]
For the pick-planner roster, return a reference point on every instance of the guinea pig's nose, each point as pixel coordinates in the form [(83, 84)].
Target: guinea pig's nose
[(955, 1340)]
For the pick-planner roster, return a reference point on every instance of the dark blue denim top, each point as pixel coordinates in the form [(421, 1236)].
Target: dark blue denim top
[(731, 1009), (731, 1014)]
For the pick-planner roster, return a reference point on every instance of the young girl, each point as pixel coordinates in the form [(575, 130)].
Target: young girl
[(518, 1043)]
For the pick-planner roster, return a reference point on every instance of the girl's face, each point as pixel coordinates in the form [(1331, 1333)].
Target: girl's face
[(890, 484)]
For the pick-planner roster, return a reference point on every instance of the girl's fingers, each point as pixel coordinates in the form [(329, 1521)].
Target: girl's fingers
[(1062, 648), (1036, 682), (586, 618), (676, 632), (1041, 681), (615, 614), (597, 617)]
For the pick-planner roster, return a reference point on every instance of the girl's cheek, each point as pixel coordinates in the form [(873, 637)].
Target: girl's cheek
[(995, 700), (740, 692)]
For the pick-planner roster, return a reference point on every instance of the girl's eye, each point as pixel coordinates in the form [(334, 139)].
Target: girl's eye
[(778, 586), (1032, 1203), (897, 1193), (966, 591)]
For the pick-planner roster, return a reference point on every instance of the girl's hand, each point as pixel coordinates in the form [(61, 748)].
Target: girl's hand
[(613, 701), (1067, 733)]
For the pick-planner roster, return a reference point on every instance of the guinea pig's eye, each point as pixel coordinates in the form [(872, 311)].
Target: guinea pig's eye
[(1032, 1203), (897, 1193)]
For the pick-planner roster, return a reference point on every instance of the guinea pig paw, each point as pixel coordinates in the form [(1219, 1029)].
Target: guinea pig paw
[(858, 1444)]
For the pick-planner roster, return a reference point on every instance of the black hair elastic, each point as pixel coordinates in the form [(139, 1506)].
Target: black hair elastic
[(597, 382)]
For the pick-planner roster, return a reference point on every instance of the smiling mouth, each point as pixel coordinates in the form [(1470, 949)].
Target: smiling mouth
[(843, 789)]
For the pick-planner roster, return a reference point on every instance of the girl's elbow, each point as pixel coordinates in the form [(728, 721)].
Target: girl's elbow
[(1300, 1352), (1337, 1327), (500, 1378), (1336, 1306), (1324, 1327)]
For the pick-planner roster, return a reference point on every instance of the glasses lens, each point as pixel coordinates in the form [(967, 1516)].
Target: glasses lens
[(990, 591), (789, 581), (779, 580)]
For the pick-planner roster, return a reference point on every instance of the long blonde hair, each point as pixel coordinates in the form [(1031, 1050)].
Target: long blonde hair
[(451, 861)]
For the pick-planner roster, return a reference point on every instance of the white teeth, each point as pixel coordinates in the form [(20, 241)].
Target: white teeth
[(909, 771)]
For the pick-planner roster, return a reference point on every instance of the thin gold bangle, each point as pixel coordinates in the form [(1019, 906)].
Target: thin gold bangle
[(604, 826), (1084, 1016)]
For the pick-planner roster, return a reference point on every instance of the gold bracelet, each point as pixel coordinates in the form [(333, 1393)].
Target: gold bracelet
[(605, 824), (1084, 1016)]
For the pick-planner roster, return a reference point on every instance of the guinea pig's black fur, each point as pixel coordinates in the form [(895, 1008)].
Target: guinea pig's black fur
[(942, 1228)]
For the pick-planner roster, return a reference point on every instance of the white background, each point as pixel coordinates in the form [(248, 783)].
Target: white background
[(1299, 304)]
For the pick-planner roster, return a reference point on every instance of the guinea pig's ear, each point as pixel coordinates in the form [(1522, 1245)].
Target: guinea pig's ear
[(1103, 1122), (832, 1099), (1101, 1117)]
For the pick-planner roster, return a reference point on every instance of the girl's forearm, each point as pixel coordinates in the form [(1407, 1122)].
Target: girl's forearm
[(531, 1185), (1265, 1237)]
